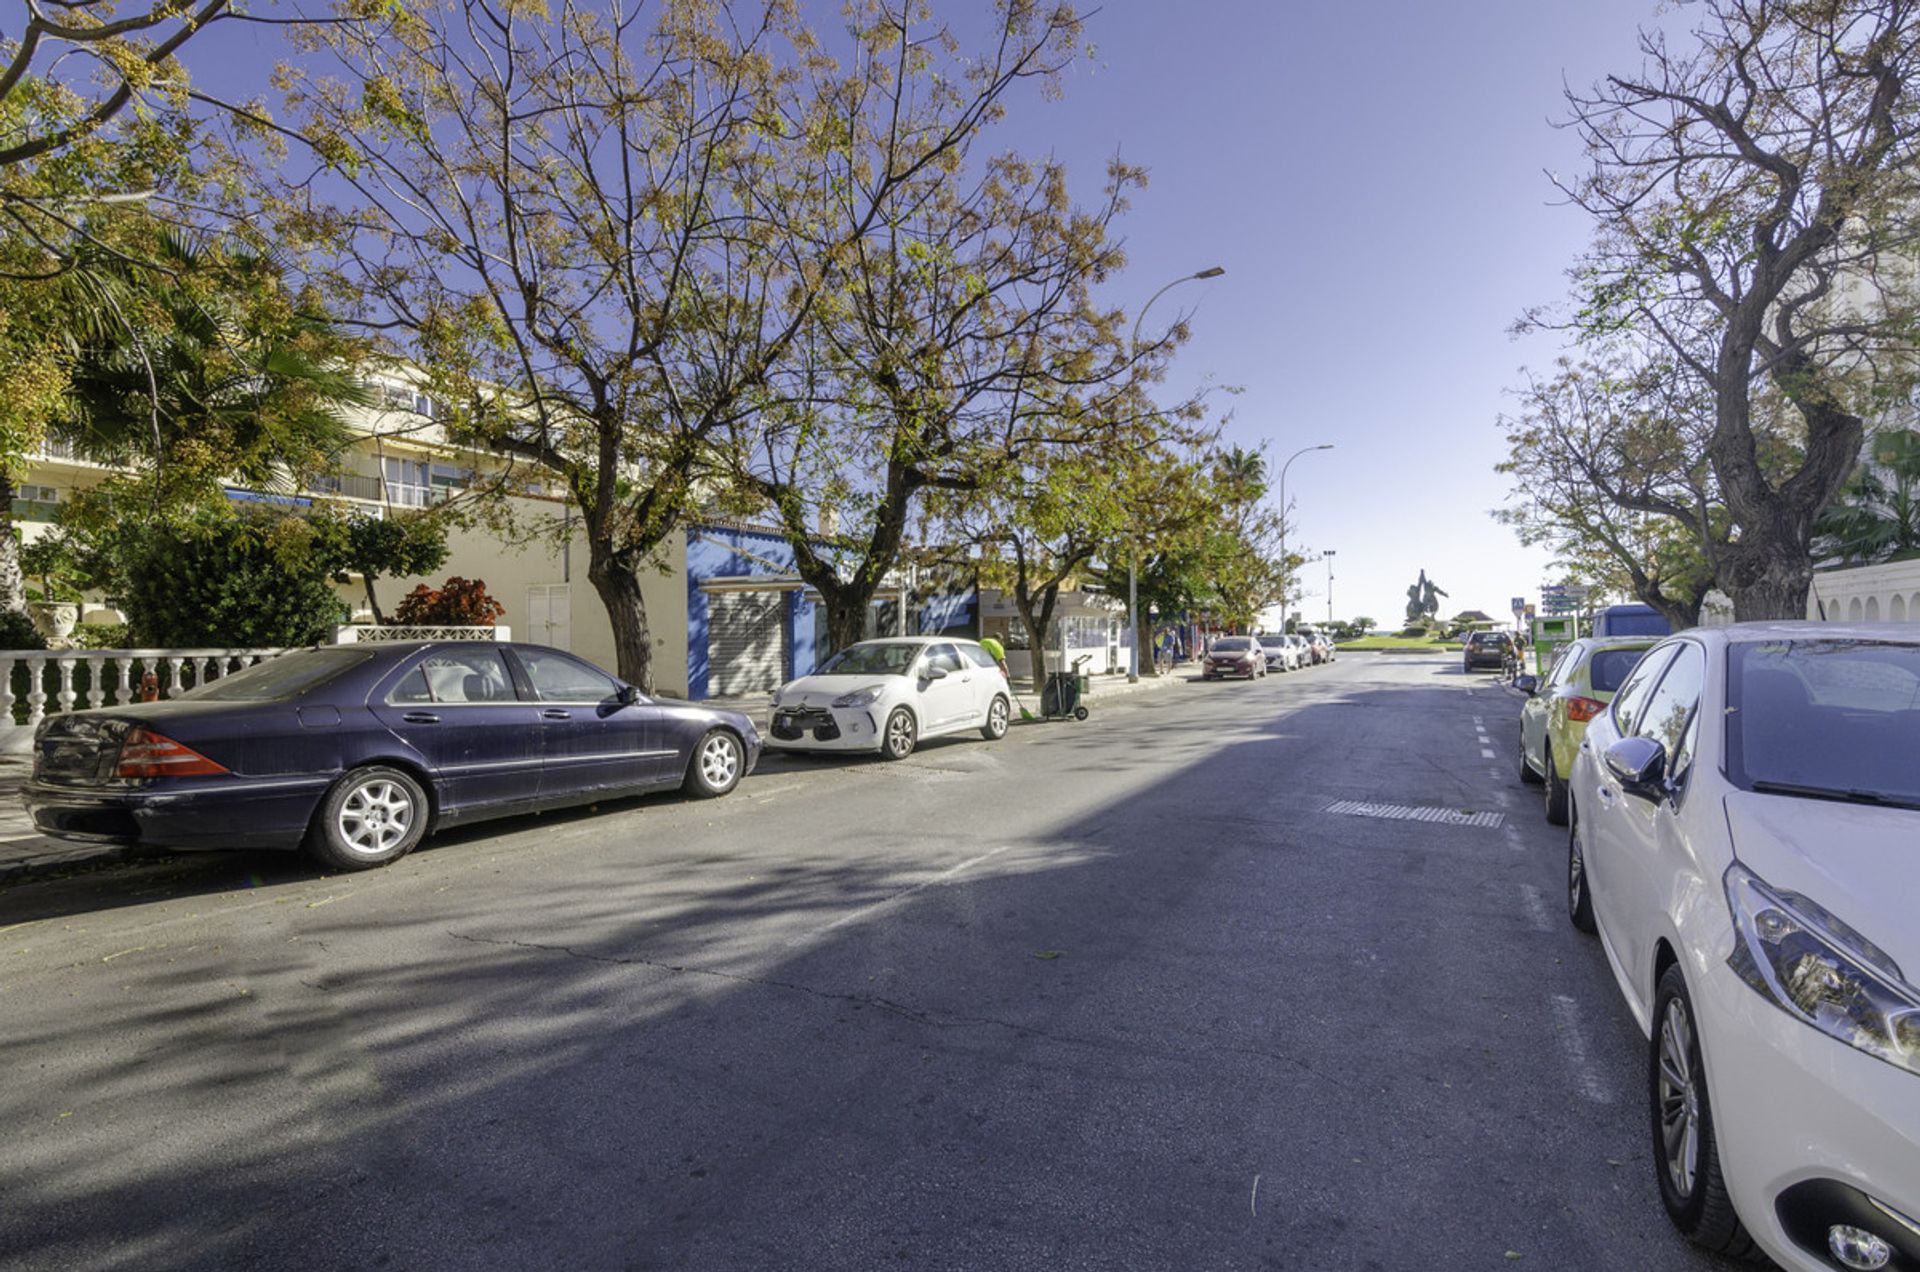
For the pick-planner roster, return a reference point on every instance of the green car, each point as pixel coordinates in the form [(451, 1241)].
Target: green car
[(1577, 688)]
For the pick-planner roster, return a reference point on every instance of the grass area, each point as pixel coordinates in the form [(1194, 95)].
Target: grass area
[(1399, 645)]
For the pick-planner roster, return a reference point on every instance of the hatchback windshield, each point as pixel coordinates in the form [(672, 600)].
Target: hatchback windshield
[(284, 677), (871, 660), (1232, 645), (1832, 717)]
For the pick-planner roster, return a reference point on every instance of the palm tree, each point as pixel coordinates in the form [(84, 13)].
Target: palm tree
[(1878, 513), (1244, 474)]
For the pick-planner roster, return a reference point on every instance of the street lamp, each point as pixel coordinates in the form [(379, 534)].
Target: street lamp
[(1283, 524), (1133, 563), (1329, 555)]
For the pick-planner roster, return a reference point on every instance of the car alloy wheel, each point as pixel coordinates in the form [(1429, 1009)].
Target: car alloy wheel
[(374, 817), (897, 741), (998, 715), (717, 764), (370, 817), (1685, 1147)]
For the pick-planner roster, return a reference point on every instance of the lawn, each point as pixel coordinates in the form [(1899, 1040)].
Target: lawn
[(1399, 645)]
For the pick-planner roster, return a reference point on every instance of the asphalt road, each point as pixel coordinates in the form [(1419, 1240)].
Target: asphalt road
[(1121, 994)]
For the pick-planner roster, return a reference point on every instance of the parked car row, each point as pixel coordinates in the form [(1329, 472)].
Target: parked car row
[(356, 753), (1255, 656), (1743, 836)]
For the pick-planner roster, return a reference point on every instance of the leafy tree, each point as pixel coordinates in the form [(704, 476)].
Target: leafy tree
[(394, 546), (1746, 192), (1610, 472), (595, 227)]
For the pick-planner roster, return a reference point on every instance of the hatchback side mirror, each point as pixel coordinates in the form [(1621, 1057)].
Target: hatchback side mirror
[(1640, 766), (1528, 685), (934, 673)]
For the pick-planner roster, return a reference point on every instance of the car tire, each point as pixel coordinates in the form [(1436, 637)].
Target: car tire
[(1527, 775), (898, 738), (1686, 1151), (1579, 894), (999, 716), (717, 764), (372, 816), (1556, 790)]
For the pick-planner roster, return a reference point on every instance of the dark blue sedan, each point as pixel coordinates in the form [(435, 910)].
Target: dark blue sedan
[(357, 752)]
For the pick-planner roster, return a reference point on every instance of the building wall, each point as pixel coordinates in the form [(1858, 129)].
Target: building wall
[(1867, 593), (718, 552)]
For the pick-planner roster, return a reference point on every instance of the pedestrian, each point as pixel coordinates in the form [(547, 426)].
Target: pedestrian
[(999, 655)]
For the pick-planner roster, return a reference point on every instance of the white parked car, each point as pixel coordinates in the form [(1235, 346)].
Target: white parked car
[(1281, 653), (886, 695), (1745, 838)]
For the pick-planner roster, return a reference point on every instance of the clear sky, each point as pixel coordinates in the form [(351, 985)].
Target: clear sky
[(1371, 176)]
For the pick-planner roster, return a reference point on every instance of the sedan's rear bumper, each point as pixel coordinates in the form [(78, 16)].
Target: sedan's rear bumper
[(223, 812)]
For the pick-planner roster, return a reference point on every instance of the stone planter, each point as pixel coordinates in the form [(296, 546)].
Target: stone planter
[(54, 619)]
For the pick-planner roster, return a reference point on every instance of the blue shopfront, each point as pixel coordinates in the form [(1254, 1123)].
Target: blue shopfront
[(753, 624)]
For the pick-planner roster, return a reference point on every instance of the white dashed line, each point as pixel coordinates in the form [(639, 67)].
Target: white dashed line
[(1566, 1014), (854, 916), (1486, 753)]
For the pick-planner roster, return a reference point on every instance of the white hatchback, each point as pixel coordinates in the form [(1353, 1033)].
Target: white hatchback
[(1745, 838), (886, 695)]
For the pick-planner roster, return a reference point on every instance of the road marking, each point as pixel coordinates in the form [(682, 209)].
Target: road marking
[(1567, 1013), (1536, 904), (855, 915), (1486, 753), (1253, 1202)]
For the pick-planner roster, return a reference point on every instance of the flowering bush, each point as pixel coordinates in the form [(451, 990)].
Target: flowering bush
[(460, 603)]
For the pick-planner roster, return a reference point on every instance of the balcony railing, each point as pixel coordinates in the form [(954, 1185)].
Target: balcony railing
[(37, 683), (347, 486)]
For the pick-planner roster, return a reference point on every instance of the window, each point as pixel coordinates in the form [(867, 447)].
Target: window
[(1562, 669), (466, 676), (943, 657), (979, 657), (1611, 666), (281, 678), (558, 678), (1670, 709), (412, 689), (1628, 706)]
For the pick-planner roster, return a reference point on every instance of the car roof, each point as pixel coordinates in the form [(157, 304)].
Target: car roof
[(1806, 629), (917, 640)]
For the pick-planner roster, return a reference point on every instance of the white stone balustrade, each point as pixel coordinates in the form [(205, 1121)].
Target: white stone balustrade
[(113, 677)]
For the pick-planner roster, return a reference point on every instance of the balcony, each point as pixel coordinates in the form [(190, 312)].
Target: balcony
[(347, 486)]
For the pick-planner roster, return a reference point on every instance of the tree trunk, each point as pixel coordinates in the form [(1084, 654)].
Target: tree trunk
[(613, 576), (1770, 580), (1679, 612), (1036, 624), (373, 602), (846, 617), (13, 587)]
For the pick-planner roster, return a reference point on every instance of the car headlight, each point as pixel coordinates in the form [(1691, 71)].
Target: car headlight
[(859, 697), (1814, 967), (776, 696)]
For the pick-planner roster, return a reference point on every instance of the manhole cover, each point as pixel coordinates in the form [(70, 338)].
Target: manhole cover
[(1408, 812)]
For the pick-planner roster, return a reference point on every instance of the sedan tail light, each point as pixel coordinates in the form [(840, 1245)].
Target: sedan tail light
[(149, 754), (1584, 709)]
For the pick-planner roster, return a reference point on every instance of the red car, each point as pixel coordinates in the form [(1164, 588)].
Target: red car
[(1235, 656)]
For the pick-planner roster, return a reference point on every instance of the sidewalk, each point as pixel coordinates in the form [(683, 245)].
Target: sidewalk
[(24, 853)]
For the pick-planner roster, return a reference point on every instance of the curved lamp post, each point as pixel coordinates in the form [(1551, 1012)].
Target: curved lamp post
[(1283, 524), (1133, 565)]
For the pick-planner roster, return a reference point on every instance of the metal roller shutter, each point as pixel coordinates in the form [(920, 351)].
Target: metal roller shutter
[(746, 646)]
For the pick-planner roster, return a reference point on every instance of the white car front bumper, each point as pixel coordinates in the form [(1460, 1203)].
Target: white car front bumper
[(1806, 1125), (824, 729)]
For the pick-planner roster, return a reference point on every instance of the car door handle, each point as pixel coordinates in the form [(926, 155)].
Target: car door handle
[(421, 717), (555, 713)]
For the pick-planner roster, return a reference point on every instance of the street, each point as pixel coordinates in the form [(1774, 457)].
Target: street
[(1117, 994)]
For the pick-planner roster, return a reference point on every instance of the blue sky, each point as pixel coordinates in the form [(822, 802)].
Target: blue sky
[(1372, 177)]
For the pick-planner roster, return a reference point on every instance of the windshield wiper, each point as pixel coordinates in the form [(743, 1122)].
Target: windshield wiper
[(1855, 796)]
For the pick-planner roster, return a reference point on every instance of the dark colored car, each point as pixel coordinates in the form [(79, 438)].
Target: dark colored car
[(358, 752), (1486, 649), (1234, 656)]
